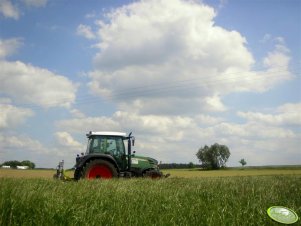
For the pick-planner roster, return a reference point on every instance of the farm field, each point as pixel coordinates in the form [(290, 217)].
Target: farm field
[(235, 197), (36, 173), (185, 173), (195, 173)]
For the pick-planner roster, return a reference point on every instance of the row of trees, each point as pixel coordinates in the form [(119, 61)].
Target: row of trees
[(189, 165), (15, 163)]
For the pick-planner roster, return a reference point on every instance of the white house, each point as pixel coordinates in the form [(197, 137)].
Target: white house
[(22, 167), (6, 167)]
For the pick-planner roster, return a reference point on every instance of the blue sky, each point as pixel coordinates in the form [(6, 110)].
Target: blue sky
[(179, 74)]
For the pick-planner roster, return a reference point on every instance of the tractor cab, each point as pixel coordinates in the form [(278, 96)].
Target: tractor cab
[(109, 144)]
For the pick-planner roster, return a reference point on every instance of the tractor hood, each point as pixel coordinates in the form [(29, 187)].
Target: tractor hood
[(143, 158)]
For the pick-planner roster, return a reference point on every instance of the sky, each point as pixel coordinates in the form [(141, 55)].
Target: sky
[(178, 74)]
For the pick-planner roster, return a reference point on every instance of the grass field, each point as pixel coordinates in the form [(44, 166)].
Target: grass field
[(195, 173), (225, 197), (13, 173), (183, 173)]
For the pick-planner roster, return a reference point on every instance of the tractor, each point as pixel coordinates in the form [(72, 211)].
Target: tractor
[(106, 157)]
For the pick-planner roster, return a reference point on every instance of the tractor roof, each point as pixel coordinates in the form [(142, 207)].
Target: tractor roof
[(119, 134)]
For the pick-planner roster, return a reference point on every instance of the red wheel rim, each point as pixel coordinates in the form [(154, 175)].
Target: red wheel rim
[(99, 171)]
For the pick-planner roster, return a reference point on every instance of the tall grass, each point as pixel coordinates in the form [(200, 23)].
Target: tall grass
[(174, 201)]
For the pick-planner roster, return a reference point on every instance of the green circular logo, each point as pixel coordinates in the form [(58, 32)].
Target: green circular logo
[(282, 214)]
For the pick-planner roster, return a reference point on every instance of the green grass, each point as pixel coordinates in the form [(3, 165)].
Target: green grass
[(183, 173), (230, 172), (174, 201)]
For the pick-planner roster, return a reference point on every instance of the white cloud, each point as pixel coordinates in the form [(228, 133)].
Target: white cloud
[(289, 108), (168, 57), (9, 46), (288, 114), (266, 38), (4, 100), (11, 116), (277, 58), (67, 141), (148, 127), (177, 138), (35, 3), (152, 132), (85, 31), (21, 147), (77, 113), (8, 10), (23, 143), (207, 120), (25, 83), (83, 125), (91, 15), (222, 4), (253, 130), (166, 65)]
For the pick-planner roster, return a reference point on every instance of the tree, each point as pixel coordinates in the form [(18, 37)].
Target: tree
[(243, 162), (28, 163), (15, 163), (213, 157), (12, 164), (190, 165)]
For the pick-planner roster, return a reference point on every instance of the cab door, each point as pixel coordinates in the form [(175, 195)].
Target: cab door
[(115, 147)]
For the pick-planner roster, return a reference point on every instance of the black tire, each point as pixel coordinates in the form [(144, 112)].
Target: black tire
[(99, 168)]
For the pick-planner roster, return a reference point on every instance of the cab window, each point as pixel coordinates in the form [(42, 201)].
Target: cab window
[(107, 145)]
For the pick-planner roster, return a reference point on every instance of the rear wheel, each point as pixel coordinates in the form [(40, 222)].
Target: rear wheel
[(99, 169)]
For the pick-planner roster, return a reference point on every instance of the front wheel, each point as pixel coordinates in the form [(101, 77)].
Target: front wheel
[(99, 169)]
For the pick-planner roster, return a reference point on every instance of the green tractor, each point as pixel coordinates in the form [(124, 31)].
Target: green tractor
[(106, 157)]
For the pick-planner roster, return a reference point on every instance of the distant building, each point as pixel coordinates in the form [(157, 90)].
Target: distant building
[(22, 167), (6, 167)]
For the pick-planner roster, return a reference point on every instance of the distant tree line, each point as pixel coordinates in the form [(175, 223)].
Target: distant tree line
[(14, 163), (190, 165)]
